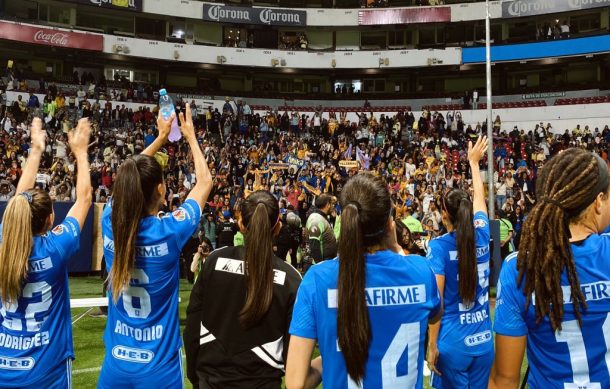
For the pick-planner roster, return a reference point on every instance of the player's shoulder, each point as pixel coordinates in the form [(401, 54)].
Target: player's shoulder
[(509, 266), (234, 253), (417, 266), (441, 243), (324, 273), (292, 274)]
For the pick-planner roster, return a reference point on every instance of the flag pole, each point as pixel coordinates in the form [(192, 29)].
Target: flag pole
[(490, 158)]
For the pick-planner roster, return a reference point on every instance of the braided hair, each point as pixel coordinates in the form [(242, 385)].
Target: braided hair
[(568, 184)]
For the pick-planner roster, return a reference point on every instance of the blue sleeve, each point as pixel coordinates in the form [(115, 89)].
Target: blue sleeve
[(66, 237), (437, 257), (481, 228), (303, 323), (184, 221), (510, 302), (435, 296)]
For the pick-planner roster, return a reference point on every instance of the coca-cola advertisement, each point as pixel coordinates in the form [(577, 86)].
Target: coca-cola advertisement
[(404, 16), (50, 37)]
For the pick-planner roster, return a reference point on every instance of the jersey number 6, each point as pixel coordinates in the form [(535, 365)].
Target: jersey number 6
[(137, 293)]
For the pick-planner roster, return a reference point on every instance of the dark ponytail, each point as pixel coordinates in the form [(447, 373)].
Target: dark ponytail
[(134, 194), (458, 206), (366, 209), (567, 185), (260, 212), (353, 327)]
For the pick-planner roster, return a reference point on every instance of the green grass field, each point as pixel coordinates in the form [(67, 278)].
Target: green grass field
[(88, 332)]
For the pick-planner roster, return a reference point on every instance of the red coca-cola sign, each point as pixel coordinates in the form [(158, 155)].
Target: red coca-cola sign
[(50, 37), (55, 39)]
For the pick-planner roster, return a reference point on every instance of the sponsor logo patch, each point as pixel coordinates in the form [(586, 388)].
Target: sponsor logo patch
[(132, 354), (476, 339), (58, 230), (480, 223), (16, 363), (179, 215)]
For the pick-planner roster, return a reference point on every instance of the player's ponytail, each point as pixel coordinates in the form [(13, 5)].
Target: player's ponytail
[(458, 206), (366, 209), (134, 195), (26, 215), (260, 214), (567, 185)]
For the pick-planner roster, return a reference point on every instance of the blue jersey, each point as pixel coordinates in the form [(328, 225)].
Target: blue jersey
[(575, 357), (465, 328), (143, 330), (401, 294), (36, 333)]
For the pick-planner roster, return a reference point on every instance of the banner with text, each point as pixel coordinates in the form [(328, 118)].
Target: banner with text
[(517, 8), (292, 160), (127, 5), (245, 15), (404, 16), (349, 164), (51, 37)]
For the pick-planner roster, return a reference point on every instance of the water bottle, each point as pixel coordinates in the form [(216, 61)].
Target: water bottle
[(166, 107)]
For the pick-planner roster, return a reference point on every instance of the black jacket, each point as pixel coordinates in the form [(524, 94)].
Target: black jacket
[(220, 353)]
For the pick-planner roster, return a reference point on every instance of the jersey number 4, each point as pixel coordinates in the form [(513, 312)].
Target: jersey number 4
[(571, 334), (136, 299), (406, 339)]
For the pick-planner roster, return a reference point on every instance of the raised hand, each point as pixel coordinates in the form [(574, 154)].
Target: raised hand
[(165, 126), (79, 137), (187, 128), (476, 152), (37, 135)]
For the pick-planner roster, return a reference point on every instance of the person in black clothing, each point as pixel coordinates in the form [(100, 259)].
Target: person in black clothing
[(236, 333), (225, 231), (290, 237)]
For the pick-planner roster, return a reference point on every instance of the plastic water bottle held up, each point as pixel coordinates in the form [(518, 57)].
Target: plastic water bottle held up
[(166, 107)]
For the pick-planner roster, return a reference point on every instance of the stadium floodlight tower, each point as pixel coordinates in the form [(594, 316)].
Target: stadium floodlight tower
[(490, 153)]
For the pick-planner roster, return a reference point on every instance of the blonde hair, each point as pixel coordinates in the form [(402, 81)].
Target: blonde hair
[(16, 248), (25, 215)]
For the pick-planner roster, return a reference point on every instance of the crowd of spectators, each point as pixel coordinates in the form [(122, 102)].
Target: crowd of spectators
[(295, 156)]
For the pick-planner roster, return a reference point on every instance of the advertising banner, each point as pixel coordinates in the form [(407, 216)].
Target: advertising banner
[(544, 95), (50, 37), (404, 16), (517, 8), (126, 5), (245, 15)]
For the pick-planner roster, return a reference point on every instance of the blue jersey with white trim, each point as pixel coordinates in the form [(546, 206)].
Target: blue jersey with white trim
[(36, 333), (577, 356), (143, 330), (465, 328), (401, 295)]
